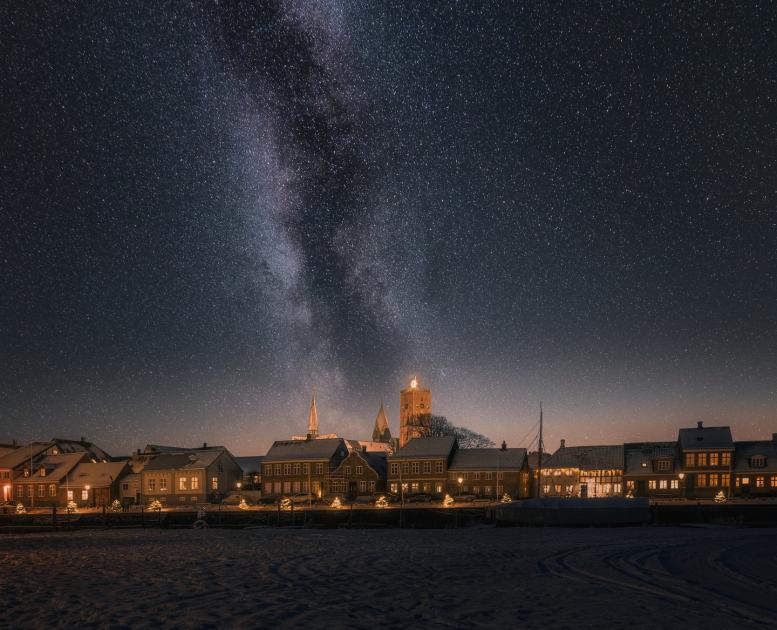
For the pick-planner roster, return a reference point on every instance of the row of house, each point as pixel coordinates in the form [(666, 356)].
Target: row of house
[(701, 463)]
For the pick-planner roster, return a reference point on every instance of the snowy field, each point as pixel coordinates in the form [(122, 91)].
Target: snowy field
[(482, 577)]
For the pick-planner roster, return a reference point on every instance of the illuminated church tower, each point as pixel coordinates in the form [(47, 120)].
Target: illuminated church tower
[(381, 432), (415, 410)]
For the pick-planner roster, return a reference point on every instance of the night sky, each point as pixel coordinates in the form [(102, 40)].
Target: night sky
[(209, 208)]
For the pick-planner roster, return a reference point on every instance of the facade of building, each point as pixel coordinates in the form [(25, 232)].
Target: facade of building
[(421, 466), (584, 471), (47, 484), (193, 476), (302, 467), (706, 461), (252, 471), (415, 411), (652, 469), (755, 468), (95, 484), (361, 473), (489, 472)]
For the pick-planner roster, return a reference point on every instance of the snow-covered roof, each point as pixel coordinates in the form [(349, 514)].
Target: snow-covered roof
[(21, 456), (488, 458), (56, 468), (97, 475), (193, 459), (701, 438), (426, 448), (745, 451), (587, 457), (639, 456), (81, 446), (300, 450), (250, 464)]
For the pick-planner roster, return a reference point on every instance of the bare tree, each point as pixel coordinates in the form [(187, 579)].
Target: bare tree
[(439, 426)]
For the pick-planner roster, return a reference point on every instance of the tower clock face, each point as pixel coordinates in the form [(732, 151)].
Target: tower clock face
[(414, 383)]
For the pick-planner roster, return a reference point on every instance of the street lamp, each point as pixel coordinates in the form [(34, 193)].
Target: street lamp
[(460, 480), (87, 487)]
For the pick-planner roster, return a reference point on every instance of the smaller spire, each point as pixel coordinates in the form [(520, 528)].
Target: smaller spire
[(313, 418), (381, 432)]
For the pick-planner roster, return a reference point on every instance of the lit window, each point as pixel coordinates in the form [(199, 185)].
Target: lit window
[(163, 484), (394, 487), (278, 470), (663, 484), (268, 469), (759, 482), (297, 469), (714, 458), (151, 485), (690, 459), (630, 485), (701, 459), (701, 480), (438, 487), (305, 469), (195, 483), (287, 469), (319, 469), (745, 481), (362, 486), (267, 487), (439, 468), (500, 476), (84, 495), (414, 486), (41, 491), (69, 495), (52, 490), (487, 491), (652, 484), (372, 486), (476, 476), (427, 468), (360, 470), (182, 483), (725, 480), (664, 464), (488, 475), (214, 483), (674, 484), (725, 459)]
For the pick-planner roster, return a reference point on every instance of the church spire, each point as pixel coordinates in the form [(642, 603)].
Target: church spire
[(381, 432), (313, 418)]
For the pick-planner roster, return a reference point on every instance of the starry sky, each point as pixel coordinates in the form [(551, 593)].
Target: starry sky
[(209, 208)]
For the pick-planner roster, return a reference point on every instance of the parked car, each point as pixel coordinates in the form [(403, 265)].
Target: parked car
[(420, 497), (464, 498)]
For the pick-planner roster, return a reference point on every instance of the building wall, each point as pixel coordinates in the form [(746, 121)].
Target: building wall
[(490, 482), (707, 472), (418, 475), (281, 479), (354, 477), (573, 482)]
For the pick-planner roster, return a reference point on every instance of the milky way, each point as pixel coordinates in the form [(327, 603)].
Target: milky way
[(208, 209)]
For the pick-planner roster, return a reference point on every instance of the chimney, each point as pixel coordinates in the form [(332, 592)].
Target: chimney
[(14, 443), (204, 445), (504, 445), (774, 439), (563, 443), (699, 425), (83, 439)]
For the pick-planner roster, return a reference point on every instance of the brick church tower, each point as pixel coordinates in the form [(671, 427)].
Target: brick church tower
[(415, 410)]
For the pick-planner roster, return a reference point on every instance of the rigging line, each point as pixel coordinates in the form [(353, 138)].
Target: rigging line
[(528, 433)]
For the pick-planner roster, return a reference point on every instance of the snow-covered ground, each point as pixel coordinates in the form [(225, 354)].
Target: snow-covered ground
[(481, 577)]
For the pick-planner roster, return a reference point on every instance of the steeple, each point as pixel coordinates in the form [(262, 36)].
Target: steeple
[(313, 418), (381, 432)]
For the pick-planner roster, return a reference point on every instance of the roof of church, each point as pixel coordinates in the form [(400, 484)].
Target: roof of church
[(313, 416), (381, 430)]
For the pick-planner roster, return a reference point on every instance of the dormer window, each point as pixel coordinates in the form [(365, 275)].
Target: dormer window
[(664, 465), (26, 472), (42, 471), (758, 461)]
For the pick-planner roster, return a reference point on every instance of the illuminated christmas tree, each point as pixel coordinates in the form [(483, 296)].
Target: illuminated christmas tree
[(72, 508), (506, 498), (720, 497), (447, 501), (243, 505), (155, 505), (20, 509), (285, 504), (382, 502), (115, 506), (336, 503)]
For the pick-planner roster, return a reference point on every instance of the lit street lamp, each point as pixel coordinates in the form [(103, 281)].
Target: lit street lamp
[(460, 480)]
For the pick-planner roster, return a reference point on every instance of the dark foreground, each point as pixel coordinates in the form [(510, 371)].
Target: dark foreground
[(478, 577)]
